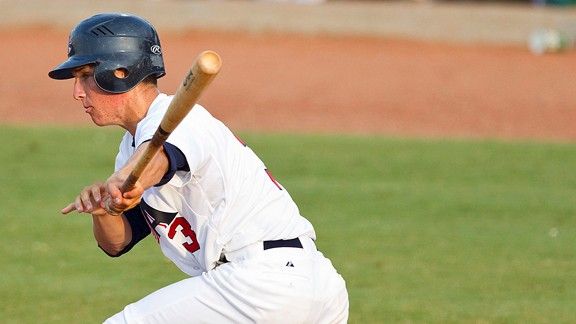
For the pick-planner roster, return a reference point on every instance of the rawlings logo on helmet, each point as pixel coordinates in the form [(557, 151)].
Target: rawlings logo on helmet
[(155, 49)]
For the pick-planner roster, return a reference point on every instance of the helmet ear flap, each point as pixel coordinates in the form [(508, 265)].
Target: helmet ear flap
[(115, 78)]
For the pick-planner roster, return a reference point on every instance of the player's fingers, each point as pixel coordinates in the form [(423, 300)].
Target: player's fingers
[(71, 207), (95, 191), (114, 192), (85, 198), (78, 204), (110, 207)]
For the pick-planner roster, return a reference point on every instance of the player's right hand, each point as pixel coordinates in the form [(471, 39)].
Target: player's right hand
[(118, 201)]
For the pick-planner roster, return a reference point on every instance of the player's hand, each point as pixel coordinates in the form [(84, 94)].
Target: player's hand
[(88, 201), (116, 201)]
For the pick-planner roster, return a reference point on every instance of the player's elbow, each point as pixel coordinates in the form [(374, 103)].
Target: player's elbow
[(112, 250)]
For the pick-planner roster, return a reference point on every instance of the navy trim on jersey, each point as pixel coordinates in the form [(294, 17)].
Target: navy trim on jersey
[(140, 229), (176, 161), (158, 217), (155, 217)]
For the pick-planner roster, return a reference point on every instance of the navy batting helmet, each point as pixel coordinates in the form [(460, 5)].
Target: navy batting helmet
[(113, 41)]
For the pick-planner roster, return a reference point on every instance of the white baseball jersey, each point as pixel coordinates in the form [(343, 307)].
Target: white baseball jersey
[(226, 201)]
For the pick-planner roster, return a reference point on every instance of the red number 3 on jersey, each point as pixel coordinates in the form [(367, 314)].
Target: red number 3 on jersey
[(180, 224)]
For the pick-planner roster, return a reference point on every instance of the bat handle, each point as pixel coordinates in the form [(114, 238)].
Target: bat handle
[(129, 183), (159, 138), (126, 186)]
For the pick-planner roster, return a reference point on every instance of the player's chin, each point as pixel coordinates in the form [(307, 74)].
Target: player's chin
[(96, 120), (99, 121)]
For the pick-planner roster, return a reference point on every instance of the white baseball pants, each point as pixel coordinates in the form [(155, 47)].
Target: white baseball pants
[(279, 285)]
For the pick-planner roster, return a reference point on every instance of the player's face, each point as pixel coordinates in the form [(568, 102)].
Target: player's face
[(104, 108)]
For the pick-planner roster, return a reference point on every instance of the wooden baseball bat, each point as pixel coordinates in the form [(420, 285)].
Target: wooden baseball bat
[(205, 68)]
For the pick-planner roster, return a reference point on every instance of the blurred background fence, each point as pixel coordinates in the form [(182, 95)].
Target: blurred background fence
[(500, 22)]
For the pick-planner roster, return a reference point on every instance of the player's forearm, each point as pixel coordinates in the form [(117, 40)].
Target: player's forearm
[(112, 233)]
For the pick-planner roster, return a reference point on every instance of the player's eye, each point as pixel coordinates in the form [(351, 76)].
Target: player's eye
[(83, 73)]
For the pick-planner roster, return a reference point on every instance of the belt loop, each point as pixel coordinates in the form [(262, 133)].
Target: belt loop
[(308, 244)]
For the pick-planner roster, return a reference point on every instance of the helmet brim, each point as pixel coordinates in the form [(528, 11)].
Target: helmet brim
[(65, 70)]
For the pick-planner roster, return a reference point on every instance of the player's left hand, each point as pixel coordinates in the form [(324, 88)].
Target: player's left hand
[(88, 201)]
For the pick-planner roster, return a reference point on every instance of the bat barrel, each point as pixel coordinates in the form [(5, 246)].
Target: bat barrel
[(209, 62)]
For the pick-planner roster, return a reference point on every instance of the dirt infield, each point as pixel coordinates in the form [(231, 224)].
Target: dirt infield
[(327, 83)]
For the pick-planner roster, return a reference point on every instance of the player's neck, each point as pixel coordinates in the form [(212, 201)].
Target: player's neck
[(138, 106)]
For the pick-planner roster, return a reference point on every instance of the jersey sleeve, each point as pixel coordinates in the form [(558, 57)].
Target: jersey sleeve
[(191, 139), (176, 162)]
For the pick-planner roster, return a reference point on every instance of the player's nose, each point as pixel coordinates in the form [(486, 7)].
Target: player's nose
[(78, 92)]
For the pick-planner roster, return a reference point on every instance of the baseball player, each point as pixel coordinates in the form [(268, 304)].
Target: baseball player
[(208, 200)]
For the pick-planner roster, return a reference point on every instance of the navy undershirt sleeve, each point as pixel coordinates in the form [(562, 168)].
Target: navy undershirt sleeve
[(176, 160), (140, 229)]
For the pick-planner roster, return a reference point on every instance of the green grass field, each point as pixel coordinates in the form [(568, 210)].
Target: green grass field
[(424, 231)]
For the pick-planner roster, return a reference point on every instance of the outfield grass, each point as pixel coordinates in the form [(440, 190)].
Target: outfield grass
[(424, 231)]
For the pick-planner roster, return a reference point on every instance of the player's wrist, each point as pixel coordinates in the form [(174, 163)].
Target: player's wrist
[(99, 212)]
